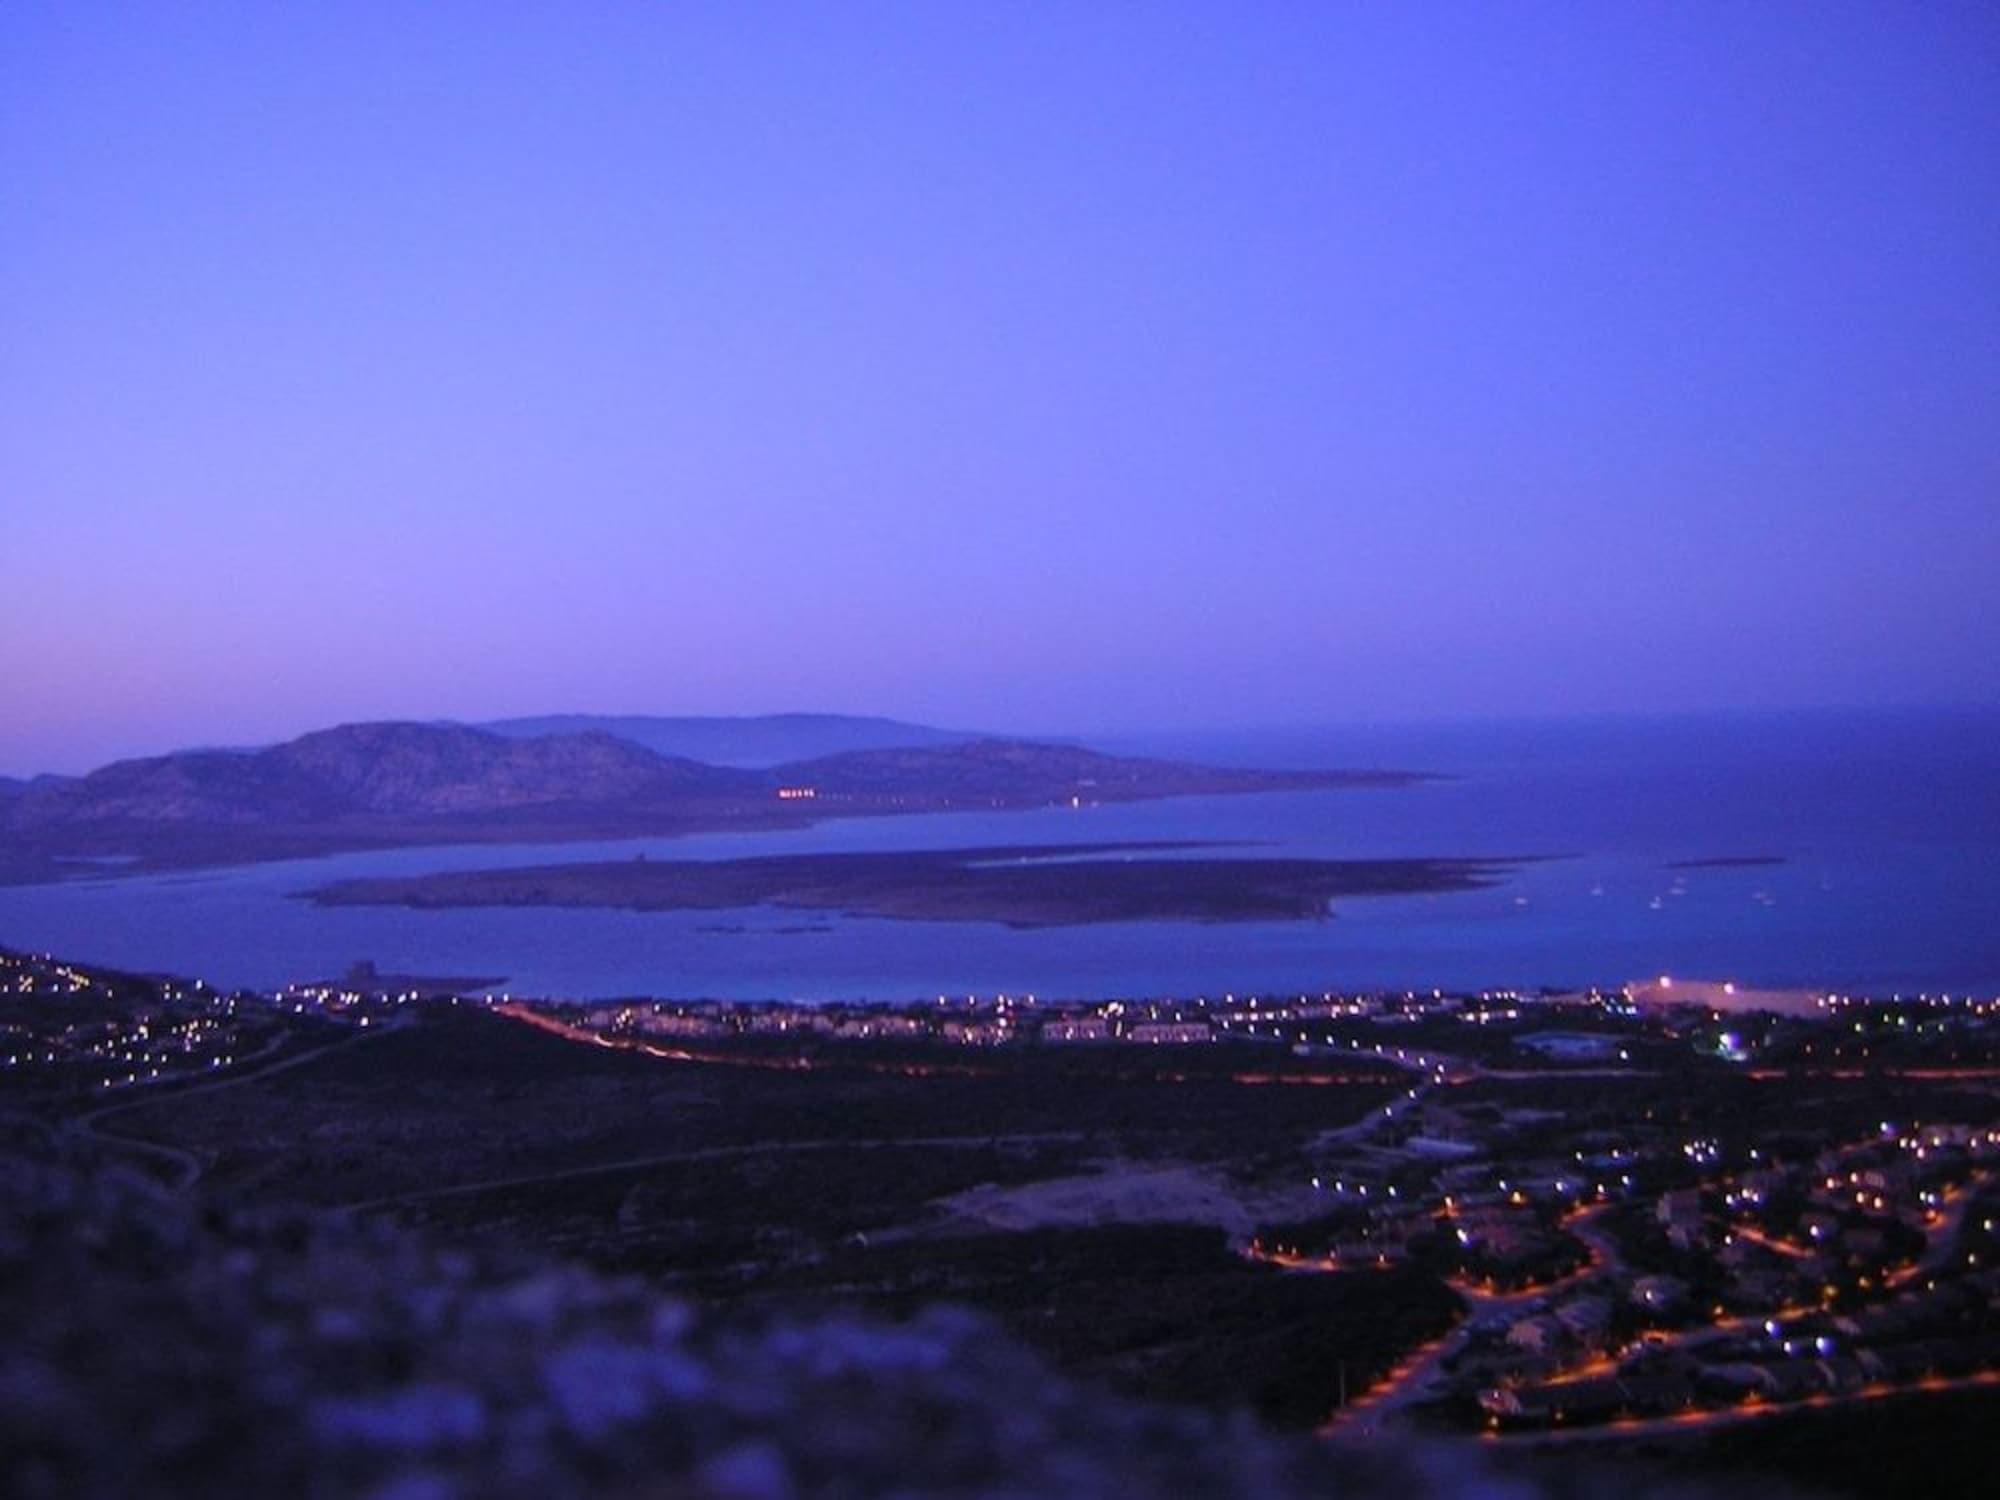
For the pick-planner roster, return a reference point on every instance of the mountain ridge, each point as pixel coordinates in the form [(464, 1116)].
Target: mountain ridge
[(387, 768), (398, 783), (745, 740)]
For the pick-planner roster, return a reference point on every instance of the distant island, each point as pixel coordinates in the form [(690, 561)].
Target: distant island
[(1727, 862), (741, 739), (1048, 885), (395, 785)]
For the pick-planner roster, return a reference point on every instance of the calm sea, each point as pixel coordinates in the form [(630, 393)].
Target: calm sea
[(1888, 826)]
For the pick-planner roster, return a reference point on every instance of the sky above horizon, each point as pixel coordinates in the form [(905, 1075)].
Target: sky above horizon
[(1030, 367)]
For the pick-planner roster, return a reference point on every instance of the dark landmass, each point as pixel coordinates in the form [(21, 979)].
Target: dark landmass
[(1727, 862), (1103, 1301), (380, 786), (18, 786), (798, 1194), (437, 1248), (173, 1347), (382, 771), (1021, 886), (180, 1346)]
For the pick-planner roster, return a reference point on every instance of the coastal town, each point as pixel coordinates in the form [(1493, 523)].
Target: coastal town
[(1618, 1266), (1656, 1208)]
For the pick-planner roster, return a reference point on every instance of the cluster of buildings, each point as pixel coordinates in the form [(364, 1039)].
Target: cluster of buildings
[(1647, 1274), (1298, 1021), (37, 975), (1772, 1276), (104, 1032), (1684, 1262), (1617, 1264)]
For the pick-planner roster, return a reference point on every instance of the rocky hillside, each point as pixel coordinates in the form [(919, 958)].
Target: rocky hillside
[(407, 769), (375, 770)]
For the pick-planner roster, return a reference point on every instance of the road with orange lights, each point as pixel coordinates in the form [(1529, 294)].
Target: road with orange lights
[(897, 1067), (1364, 1419), (1707, 1419)]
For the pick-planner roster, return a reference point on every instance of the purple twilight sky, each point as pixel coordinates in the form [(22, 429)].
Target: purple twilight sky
[(1032, 366)]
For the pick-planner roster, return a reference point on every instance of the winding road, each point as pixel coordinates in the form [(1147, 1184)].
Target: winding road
[(184, 1168)]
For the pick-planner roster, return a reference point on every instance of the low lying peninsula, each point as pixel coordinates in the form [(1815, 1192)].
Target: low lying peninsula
[(1019, 885)]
